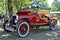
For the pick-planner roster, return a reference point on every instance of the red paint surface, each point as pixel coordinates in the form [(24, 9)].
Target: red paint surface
[(32, 17)]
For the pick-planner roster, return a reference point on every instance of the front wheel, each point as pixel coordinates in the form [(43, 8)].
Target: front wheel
[(23, 29), (6, 25), (53, 25)]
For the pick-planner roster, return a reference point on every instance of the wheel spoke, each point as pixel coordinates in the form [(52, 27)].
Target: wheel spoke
[(23, 29)]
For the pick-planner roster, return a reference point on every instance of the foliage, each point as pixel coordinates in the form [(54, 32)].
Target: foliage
[(21, 3), (17, 4), (57, 4), (54, 8), (2, 6), (44, 2)]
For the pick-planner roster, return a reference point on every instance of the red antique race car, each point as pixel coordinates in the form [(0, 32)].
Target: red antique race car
[(26, 19)]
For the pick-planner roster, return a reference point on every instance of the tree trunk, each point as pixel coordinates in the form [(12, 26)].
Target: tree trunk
[(16, 4), (10, 8)]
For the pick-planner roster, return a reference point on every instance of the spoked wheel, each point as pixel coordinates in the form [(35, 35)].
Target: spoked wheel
[(7, 26), (53, 25), (23, 29)]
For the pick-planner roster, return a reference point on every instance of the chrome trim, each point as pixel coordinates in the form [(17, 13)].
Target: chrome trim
[(16, 16)]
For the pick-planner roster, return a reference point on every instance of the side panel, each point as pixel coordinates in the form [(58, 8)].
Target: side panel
[(37, 20), (40, 20), (32, 18)]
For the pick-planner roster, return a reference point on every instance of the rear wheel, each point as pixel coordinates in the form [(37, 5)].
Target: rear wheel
[(53, 25), (23, 29)]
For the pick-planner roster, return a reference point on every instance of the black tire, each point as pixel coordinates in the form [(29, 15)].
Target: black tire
[(52, 25), (4, 26), (20, 26)]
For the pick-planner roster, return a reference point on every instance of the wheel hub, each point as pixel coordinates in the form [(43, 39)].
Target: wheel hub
[(23, 29)]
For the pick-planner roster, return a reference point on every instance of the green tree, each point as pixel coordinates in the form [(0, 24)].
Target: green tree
[(10, 7), (2, 5), (44, 2), (21, 3), (55, 6), (57, 3)]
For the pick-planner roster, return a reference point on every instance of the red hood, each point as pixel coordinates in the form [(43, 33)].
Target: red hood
[(23, 12)]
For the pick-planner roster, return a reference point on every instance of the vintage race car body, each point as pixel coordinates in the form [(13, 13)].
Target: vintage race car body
[(33, 18), (23, 20)]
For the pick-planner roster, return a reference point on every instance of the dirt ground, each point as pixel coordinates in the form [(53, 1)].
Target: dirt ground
[(36, 34)]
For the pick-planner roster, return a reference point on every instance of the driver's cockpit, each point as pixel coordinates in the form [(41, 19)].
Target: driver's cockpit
[(43, 12)]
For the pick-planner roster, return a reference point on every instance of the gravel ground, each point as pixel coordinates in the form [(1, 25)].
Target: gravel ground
[(36, 34)]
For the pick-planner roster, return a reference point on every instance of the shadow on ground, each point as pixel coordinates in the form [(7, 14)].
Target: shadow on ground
[(36, 34)]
